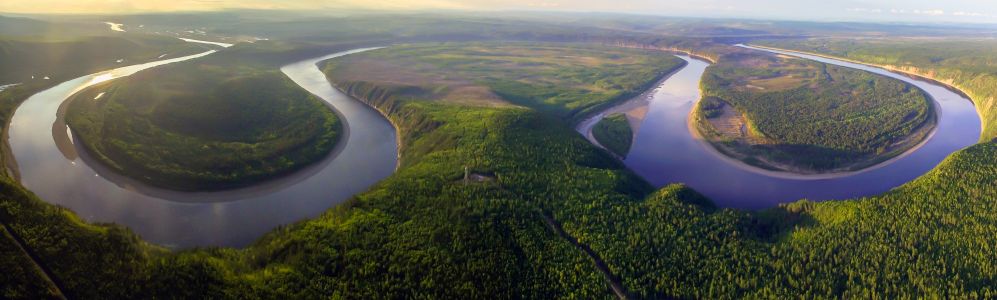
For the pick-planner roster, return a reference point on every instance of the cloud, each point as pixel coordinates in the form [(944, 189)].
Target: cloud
[(865, 10), (931, 12), (968, 14), (925, 12)]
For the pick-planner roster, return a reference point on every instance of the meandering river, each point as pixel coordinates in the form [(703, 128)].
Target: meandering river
[(366, 154), (665, 150)]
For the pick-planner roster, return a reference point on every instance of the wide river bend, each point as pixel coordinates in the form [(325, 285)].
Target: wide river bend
[(665, 150), (366, 154)]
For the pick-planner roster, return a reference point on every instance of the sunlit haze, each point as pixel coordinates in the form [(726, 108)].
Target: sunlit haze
[(849, 10)]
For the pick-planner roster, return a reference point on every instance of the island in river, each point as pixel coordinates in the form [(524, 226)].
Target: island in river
[(792, 115)]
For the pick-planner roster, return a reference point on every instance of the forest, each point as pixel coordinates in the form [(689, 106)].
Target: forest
[(811, 116), (966, 64), (161, 126), (425, 233), (614, 133)]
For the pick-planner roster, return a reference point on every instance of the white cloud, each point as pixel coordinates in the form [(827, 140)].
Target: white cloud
[(926, 12), (866, 10), (968, 14), (930, 12)]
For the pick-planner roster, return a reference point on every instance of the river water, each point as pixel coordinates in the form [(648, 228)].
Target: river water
[(366, 154), (665, 151)]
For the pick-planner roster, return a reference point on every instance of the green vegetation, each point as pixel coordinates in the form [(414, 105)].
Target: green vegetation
[(21, 278), (569, 82), (965, 64), (712, 107), (614, 133), (449, 238), (425, 233), (162, 125), (929, 238), (803, 116)]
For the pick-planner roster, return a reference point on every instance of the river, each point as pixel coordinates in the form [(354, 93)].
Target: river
[(366, 154), (665, 150)]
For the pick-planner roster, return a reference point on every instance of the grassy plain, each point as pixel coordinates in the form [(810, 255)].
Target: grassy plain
[(564, 81)]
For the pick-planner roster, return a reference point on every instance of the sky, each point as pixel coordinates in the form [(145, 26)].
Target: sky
[(933, 11)]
